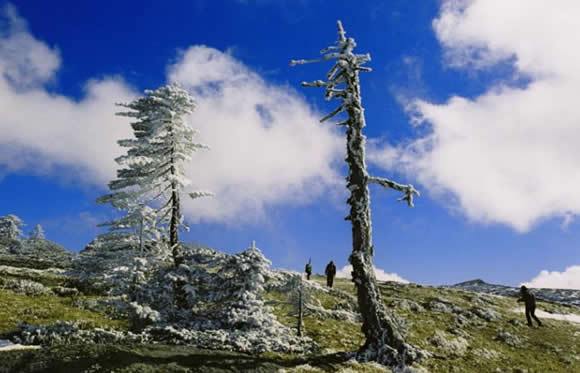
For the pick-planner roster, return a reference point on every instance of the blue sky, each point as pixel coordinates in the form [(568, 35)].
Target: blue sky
[(481, 214)]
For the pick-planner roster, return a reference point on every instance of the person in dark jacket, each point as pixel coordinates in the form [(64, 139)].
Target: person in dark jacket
[(530, 301), (308, 269), (330, 273)]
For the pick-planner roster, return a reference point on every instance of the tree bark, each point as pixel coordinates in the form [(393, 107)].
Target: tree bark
[(175, 217), (141, 235), (300, 309), (173, 229), (383, 342), (180, 297)]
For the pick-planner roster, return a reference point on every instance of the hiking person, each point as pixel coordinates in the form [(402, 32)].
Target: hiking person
[(308, 269), (330, 273), (530, 301)]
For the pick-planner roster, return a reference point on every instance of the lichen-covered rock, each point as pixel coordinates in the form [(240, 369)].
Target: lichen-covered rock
[(486, 314), (437, 306), (508, 338), (449, 345), (62, 291), (408, 305), (516, 322), (488, 354), (27, 287)]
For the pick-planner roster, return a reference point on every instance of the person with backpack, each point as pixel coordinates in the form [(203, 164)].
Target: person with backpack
[(308, 269), (330, 272), (529, 300)]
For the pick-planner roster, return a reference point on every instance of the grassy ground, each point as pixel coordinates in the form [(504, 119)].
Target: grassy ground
[(46, 277), (163, 358), (552, 348), (47, 309)]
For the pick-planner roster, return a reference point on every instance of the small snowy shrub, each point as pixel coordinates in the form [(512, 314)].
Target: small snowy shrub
[(64, 332), (27, 287), (64, 291)]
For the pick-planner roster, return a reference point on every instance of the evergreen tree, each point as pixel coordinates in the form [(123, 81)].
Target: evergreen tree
[(136, 228), (384, 342), (152, 171), (37, 233), (10, 227)]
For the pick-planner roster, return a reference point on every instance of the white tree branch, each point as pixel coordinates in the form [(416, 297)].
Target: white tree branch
[(408, 190)]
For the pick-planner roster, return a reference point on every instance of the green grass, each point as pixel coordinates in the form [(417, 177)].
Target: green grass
[(552, 348), (164, 358), (43, 310), (46, 278)]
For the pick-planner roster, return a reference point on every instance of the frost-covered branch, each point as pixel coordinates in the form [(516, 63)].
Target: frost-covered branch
[(200, 194), (347, 65), (408, 190)]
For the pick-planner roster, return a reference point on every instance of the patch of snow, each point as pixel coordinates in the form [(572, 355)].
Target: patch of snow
[(571, 317), (6, 345), (563, 296)]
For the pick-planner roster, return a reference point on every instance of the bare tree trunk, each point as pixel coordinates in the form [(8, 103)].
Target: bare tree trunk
[(300, 309), (383, 342), (173, 229), (141, 234), (180, 297), (175, 218)]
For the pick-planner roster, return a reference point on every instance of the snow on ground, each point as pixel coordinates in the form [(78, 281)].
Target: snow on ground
[(6, 345), (556, 316), (16, 270)]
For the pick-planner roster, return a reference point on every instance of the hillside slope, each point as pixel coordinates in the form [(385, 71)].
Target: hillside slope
[(563, 296), (463, 331)]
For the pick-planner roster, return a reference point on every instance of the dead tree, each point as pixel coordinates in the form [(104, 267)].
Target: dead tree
[(384, 342), (298, 298)]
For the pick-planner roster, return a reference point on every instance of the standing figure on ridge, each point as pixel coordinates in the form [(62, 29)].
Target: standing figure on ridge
[(530, 301), (330, 273), (308, 269)]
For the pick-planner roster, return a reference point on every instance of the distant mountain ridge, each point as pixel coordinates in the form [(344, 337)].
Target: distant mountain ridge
[(569, 297)]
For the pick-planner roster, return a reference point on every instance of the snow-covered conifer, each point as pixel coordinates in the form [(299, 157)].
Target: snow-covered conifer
[(152, 170), (10, 227), (137, 227), (244, 285), (384, 342), (37, 233)]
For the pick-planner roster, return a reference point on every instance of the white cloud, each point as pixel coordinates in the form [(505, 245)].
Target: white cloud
[(568, 279), (510, 155), (24, 61), (42, 131), (381, 275), (267, 145)]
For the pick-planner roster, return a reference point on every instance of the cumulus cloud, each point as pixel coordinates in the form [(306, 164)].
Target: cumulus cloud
[(509, 155), (42, 131), (24, 60), (568, 279), (381, 275), (267, 145)]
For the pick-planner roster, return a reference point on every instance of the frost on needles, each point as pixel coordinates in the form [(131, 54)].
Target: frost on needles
[(151, 176)]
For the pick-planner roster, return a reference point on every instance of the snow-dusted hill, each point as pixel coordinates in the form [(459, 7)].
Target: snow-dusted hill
[(562, 296), (34, 253)]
